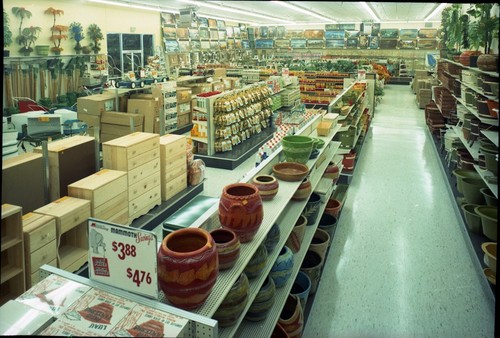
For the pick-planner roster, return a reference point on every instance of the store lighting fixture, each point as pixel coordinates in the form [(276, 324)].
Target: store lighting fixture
[(370, 10), (129, 5), (229, 19), (303, 11), (434, 12)]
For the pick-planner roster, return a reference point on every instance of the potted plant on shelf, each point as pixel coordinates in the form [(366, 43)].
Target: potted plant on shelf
[(58, 31), (453, 28), (487, 28), (76, 32), (27, 36), (95, 34), (7, 34)]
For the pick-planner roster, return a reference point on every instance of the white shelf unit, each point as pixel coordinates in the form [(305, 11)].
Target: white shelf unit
[(491, 135), (474, 149), (485, 175), (472, 110)]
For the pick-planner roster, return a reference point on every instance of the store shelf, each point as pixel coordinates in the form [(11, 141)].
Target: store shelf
[(474, 149), (8, 242), (491, 135), (494, 74), (486, 175), (472, 110), (8, 272), (199, 139), (480, 91)]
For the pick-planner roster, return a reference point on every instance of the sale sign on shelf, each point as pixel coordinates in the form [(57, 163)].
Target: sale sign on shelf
[(123, 257)]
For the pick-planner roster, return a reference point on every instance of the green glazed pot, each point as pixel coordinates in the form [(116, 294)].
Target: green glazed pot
[(297, 148), (491, 200), (257, 263), (320, 144), (472, 219), (461, 174), (472, 191), (489, 220), (233, 304)]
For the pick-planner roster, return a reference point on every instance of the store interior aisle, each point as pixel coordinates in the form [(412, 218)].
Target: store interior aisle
[(399, 265)]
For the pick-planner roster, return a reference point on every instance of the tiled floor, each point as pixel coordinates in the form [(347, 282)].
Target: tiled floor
[(399, 265)]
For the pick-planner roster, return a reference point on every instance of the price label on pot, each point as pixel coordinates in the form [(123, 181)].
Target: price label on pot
[(123, 257)]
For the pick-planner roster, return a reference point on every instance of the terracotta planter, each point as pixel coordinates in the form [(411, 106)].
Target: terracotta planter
[(240, 210), (348, 160), (320, 242), (465, 57), (332, 172), (292, 317), (492, 108), (311, 265), (233, 304), (257, 262), (272, 237), (268, 186), (311, 210), (282, 267), (263, 302), (295, 238), (328, 223), (228, 247), (303, 191), (279, 332), (188, 266), (488, 62), (333, 207), (472, 219), (301, 288)]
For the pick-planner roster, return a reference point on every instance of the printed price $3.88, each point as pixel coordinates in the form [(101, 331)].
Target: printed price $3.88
[(125, 249)]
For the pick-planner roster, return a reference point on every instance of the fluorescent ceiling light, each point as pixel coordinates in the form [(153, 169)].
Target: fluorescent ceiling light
[(434, 12), (128, 5), (303, 11), (229, 19), (370, 10), (232, 10)]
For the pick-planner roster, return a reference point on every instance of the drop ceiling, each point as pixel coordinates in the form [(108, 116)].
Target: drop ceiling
[(313, 12)]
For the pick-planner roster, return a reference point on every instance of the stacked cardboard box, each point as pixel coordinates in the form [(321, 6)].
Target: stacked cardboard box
[(149, 107), (139, 155), (173, 165), (167, 91), (184, 106), (231, 83), (117, 124), (90, 109), (419, 75)]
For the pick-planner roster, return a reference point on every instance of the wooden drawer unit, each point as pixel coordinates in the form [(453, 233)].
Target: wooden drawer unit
[(145, 202), (115, 210), (173, 187), (118, 153), (73, 247), (42, 256), (144, 185), (70, 159), (68, 211), (145, 170), (171, 144), (36, 276)]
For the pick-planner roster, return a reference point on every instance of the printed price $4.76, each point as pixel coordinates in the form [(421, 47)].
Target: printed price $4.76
[(139, 276)]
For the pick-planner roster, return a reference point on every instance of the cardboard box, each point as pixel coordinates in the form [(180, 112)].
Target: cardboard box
[(183, 94), (218, 86), (183, 120), (184, 108), (200, 88), (231, 83), (92, 122), (114, 129), (121, 118), (219, 73), (147, 108), (96, 104)]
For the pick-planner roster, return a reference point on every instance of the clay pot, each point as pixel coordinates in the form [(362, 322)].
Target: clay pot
[(482, 107), (297, 148), (492, 108), (311, 210), (240, 210), (292, 317), (472, 219), (489, 220), (228, 247), (461, 174), (333, 207), (282, 267), (279, 332), (311, 265), (268, 186), (263, 302), (320, 242), (332, 172), (489, 197), (465, 57), (257, 262), (272, 237), (471, 189), (328, 223), (188, 266), (297, 235), (490, 255), (301, 288), (233, 304), (303, 191), (348, 160), (488, 62)]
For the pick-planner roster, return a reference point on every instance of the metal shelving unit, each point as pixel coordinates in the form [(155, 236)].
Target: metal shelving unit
[(473, 149), (485, 175), (491, 135)]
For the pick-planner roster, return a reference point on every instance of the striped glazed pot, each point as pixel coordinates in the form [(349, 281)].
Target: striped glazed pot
[(292, 317), (240, 210), (282, 267), (268, 186), (188, 267), (294, 240), (272, 237), (262, 302), (257, 263), (233, 304), (228, 247), (303, 191)]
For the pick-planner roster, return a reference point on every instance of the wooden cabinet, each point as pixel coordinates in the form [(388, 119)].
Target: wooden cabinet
[(40, 244), (139, 155), (173, 165), (71, 215), (12, 253), (70, 159)]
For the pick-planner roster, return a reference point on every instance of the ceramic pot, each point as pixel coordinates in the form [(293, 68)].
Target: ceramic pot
[(490, 199), (471, 188), (328, 223), (320, 242), (233, 304), (490, 255), (42, 50), (482, 107), (292, 317), (333, 207), (472, 219), (492, 108), (488, 62), (297, 148), (348, 160), (257, 262), (297, 235), (301, 288), (240, 210), (461, 174), (332, 172), (311, 210), (282, 267), (311, 265), (263, 302), (303, 191), (489, 220), (465, 57), (268, 186), (279, 332), (272, 237), (188, 266), (490, 153), (228, 247)]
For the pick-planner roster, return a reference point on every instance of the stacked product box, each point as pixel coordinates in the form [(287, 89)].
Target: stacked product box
[(90, 109), (117, 124), (184, 106), (173, 159), (166, 92), (148, 106), (139, 155)]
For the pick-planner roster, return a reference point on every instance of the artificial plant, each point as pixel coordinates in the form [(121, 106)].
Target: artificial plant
[(7, 33), (58, 31), (485, 24), (76, 32), (95, 34), (28, 35)]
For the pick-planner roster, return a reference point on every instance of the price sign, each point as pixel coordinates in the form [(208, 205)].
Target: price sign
[(123, 257)]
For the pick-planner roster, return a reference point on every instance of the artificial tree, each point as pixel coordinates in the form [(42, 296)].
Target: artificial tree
[(58, 31), (485, 24), (7, 34), (76, 32), (95, 34), (28, 35)]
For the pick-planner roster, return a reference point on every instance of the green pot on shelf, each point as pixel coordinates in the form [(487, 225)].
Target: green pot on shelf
[(42, 50)]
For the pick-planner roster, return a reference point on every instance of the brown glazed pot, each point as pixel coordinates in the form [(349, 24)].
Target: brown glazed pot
[(228, 247), (295, 238), (188, 266), (233, 304), (240, 210), (488, 62), (333, 207), (291, 317), (303, 191), (268, 186)]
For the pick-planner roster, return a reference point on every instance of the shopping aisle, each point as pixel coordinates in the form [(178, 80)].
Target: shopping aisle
[(399, 265)]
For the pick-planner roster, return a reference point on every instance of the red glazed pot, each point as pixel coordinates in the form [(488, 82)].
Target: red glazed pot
[(268, 186), (332, 171), (228, 247), (292, 317), (188, 266), (240, 210), (297, 235), (333, 207), (491, 106), (303, 191), (348, 160)]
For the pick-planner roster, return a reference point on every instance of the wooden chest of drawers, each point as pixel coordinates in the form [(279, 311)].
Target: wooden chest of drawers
[(173, 165)]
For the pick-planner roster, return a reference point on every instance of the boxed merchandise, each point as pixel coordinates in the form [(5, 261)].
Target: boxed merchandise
[(218, 86), (184, 108), (231, 83), (183, 120), (219, 73), (199, 88), (146, 107), (122, 119), (22, 181), (92, 121), (96, 104), (183, 94), (331, 117)]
